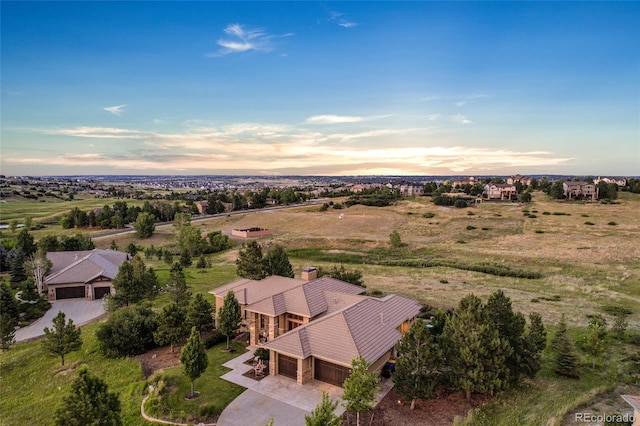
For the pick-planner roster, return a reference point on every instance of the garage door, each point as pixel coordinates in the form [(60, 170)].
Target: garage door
[(330, 373), (70, 292), (288, 366), (99, 292)]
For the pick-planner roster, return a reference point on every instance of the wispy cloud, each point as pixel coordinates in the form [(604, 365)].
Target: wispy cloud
[(239, 38), (459, 100), (459, 118), (333, 119), (116, 110), (338, 119), (273, 148), (340, 19)]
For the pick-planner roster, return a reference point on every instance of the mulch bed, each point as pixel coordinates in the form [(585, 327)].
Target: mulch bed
[(434, 412)]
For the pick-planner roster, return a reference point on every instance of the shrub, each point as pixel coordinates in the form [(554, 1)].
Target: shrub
[(470, 214), (460, 204), (584, 215), (128, 331), (535, 300), (546, 213), (208, 409), (612, 223), (375, 292), (443, 281), (262, 353), (589, 223), (429, 215), (470, 227), (214, 339), (485, 228), (532, 216), (461, 242), (539, 231)]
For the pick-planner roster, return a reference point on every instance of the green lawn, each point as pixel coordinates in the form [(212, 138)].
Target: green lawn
[(215, 393)]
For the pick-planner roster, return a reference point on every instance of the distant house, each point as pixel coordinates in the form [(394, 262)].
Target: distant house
[(579, 190), (271, 202), (616, 180), (502, 191), (524, 180), (463, 182), (411, 190), (82, 274), (251, 232), (314, 327), (202, 206)]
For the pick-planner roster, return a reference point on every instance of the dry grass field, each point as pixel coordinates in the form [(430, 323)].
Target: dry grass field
[(584, 266)]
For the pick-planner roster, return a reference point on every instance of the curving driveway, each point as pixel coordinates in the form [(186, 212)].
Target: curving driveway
[(81, 311)]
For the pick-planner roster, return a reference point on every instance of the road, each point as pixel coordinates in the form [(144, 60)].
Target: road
[(210, 216)]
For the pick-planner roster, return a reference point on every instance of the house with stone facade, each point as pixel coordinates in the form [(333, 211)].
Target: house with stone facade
[(502, 191), (314, 327)]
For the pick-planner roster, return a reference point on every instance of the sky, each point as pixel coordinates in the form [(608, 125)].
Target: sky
[(320, 88)]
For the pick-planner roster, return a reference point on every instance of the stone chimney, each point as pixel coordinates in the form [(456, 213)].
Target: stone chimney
[(309, 273)]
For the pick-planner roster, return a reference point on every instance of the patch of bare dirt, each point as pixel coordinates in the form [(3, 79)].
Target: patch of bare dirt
[(606, 404), (434, 412), (158, 358)]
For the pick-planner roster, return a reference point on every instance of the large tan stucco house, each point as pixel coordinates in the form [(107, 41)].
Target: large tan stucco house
[(314, 327), (573, 190), (82, 274), (503, 191)]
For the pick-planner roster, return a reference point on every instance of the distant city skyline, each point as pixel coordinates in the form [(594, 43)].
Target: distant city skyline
[(326, 88)]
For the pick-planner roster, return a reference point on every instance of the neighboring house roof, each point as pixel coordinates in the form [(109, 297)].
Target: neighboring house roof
[(367, 328), (83, 266)]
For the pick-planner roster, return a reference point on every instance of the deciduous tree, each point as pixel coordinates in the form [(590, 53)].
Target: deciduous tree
[(144, 225), (359, 388), (194, 358), (63, 338), (229, 317)]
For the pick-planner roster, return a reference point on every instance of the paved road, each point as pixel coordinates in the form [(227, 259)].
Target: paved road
[(79, 310)]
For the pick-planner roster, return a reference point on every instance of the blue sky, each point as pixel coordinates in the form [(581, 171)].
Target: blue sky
[(320, 88)]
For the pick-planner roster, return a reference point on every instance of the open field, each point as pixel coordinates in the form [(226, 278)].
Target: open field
[(583, 269)]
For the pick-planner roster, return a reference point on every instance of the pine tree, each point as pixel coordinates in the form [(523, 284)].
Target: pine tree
[(323, 414), (395, 240), (16, 259), (249, 263), (510, 326), (89, 403), (200, 313), (359, 388), (63, 338), (230, 316), (178, 285), (566, 359), (534, 343), (194, 358), (8, 316), (475, 351), (276, 262), (172, 326), (418, 363)]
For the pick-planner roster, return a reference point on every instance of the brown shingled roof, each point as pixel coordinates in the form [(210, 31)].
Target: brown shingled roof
[(84, 266), (367, 328)]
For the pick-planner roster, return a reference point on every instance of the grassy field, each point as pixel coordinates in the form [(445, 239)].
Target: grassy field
[(584, 267)]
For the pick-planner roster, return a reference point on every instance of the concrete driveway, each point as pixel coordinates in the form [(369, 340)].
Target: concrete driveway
[(278, 398), (81, 311)]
